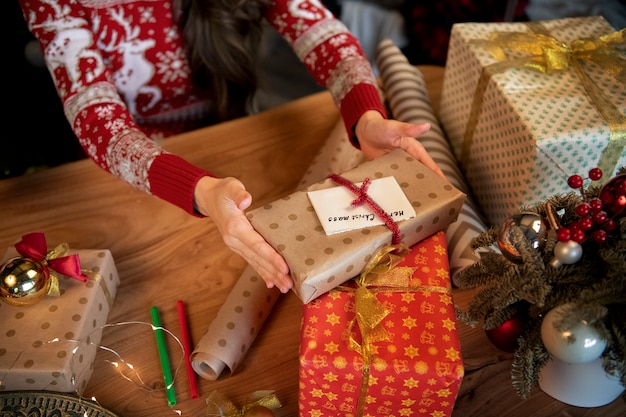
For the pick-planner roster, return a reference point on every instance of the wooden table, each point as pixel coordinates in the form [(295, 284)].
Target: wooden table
[(163, 254)]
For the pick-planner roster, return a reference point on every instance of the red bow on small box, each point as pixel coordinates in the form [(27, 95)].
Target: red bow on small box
[(33, 245), (26, 279)]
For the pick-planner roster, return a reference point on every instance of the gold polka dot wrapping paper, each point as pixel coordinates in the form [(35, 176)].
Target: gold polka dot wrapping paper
[(318, 262), (52, 344)]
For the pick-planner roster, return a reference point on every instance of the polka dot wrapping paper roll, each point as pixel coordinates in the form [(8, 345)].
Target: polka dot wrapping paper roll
[(237, 323), (407, 97), (320, 262), (52, 345)]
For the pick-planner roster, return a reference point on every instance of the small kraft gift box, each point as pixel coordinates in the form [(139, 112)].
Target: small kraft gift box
[(526, 105), (385, 343), (51, 345), (319, 261)]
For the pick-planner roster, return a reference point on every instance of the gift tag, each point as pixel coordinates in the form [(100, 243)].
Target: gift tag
[(336, 213)]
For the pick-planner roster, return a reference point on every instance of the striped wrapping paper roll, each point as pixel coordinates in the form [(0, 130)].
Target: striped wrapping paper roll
[(408, 100)]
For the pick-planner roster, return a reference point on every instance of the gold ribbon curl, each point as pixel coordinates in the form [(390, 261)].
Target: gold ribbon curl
[(380, 272), (546, 54)]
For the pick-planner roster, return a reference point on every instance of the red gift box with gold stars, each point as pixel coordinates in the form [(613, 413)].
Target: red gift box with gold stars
[(386, 343)]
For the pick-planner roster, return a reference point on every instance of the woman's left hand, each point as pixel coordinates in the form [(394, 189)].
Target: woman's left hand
[(377, 136)]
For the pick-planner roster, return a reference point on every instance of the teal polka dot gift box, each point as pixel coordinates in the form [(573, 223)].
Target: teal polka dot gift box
[(526, 105), (51, 345)]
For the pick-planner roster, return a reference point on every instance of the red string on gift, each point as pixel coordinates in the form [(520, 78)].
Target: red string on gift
[(364, 198), (34, 246)]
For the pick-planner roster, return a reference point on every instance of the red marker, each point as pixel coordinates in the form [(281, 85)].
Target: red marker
[(187, 349)]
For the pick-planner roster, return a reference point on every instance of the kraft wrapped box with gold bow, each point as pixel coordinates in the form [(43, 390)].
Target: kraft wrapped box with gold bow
[(319, 262), (51, 345), (526, 105), (386, 343)]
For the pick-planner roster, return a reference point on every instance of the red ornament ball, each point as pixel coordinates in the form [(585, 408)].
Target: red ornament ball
[(505, 336)]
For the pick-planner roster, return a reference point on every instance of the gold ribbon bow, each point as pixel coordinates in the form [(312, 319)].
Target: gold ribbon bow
[(219, 405), (546, 54)]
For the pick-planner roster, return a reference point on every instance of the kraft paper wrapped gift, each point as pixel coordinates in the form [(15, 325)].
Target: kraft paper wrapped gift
[(519, 133), (319, 262), (387, 346), (51, 345)]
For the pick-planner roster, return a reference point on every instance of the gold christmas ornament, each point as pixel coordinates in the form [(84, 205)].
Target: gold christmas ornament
[(27, 279), (23, 281)]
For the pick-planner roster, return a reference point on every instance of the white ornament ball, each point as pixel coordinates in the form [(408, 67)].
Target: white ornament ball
[(580, 344), (567, 253)]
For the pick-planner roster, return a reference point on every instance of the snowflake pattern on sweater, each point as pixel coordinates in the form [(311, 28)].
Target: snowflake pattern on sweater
[(120, 69)]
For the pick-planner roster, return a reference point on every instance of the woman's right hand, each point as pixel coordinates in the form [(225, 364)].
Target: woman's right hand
[(225, 200)]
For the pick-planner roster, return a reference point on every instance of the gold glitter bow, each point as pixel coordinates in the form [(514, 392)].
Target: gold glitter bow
[(546, 54), (219, 405)]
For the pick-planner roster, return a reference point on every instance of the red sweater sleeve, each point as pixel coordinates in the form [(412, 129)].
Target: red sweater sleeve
[(84, 45), (331, 54)]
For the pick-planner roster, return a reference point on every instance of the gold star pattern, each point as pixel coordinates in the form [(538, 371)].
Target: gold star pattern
[(444, 392), (442, 273), (448, 324), (411, 351), (452, 354), (333, 319), (330, 377), (409, 322), (411, 383), (331, 347), (317, 393), (408, 297), (445, 299)]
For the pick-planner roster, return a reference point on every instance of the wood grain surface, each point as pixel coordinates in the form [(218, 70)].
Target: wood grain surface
[(163, 255)]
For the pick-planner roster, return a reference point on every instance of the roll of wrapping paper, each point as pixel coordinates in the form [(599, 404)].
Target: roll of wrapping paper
[(249, 303), (408, 100), (235, 327)]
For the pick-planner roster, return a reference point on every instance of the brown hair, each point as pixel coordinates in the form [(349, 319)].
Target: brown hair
[(221, 40)]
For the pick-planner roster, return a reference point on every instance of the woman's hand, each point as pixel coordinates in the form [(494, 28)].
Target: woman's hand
[(377, 136), (225, 200)]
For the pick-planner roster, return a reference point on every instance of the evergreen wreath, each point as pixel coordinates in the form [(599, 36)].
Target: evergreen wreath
[(524, 278)]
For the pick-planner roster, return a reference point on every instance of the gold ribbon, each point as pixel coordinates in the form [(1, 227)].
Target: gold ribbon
[(219, 405), (61, 250), (545, 54), (382, 273)]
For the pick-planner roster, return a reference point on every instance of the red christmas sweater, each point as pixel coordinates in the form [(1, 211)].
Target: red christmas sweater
[(120, 69)]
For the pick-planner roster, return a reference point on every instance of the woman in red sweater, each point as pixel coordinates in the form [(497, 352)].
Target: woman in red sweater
[(132, 72)]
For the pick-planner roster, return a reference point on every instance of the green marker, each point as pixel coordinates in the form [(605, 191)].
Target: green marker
[(163, 356)]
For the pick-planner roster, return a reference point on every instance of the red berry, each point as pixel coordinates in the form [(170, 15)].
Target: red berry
[(563, 234), (610, 225), (595, 204), (595, 174), (599, 236), (620, 186), (583, 209), (578, 235), (575, 181), (599, 217), (585, 223)]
